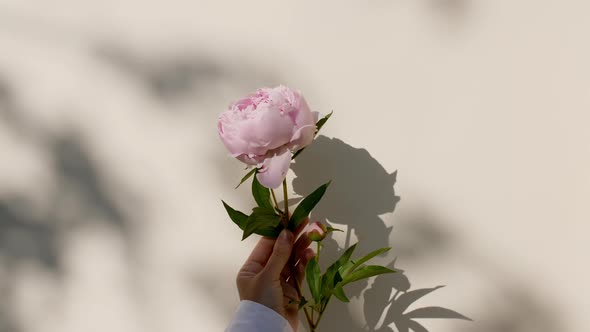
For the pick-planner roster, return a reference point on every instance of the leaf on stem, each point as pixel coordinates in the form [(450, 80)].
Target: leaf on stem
[(331, 277), (261, 219), (261, 194), (369, 256), (247, 176), (340, 295), (322, 122), (239, 218), (345, 269), (313, 275), (306, 205), (366, 272)]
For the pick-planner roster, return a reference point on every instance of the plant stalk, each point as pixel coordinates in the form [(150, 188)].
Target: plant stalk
[(293, 272), (286, 201), (321, 313), (274, 198)]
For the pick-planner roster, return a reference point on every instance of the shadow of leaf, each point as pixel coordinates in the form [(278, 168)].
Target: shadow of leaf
[(406, 299), (435, 312), (177, 76), (405, 321)]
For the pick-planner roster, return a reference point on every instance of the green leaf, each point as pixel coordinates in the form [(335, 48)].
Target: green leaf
[(322, 122), (247, 176), (346, 255), (270, 231), (306, 205), (239, 218), (331, 277), (369, 256), (339, 293), (365, 272), (261, 194), (312, 273), (261, 218), (346, 268)]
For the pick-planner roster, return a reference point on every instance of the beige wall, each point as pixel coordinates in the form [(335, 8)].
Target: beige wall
[(112, 172)]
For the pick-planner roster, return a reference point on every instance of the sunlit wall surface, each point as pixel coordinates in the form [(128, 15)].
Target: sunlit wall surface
[(459, 137)]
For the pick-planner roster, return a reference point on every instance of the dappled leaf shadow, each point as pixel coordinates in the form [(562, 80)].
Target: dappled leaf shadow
[(179, 76), (452, 9), (33, 232), (520, 311), (25, 237)]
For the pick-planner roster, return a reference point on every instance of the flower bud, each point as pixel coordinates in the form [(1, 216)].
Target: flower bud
[(317, 231)]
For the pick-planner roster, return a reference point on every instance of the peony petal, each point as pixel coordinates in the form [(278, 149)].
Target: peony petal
[(249, 159), (268, 131), (274, 169), (304, 127), (302, 137)]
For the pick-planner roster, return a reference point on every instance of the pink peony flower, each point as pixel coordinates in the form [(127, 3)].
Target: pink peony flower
[(265, 128), (317, 231)]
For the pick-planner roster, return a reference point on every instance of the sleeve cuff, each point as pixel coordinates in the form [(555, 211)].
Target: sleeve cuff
[(255, 317)]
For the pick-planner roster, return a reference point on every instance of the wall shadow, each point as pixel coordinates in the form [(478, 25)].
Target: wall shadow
[(455, 10), (180, 76), (360, 192), (33, 232), (82, 191), (521, 311)]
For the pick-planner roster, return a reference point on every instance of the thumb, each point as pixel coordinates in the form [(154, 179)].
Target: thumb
[(280, 254)]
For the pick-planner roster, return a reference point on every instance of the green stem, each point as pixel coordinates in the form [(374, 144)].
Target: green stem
[(317, 322), (293, 272), (286, 201), (319, 250), (274, 198)]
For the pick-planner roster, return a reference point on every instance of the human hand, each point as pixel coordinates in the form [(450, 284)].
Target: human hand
[(270, 274)]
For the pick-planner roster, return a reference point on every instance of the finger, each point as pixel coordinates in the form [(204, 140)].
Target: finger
[(289, 291), (301, 227), (259, 256), (280, 254), (299, 269), (300, 245)]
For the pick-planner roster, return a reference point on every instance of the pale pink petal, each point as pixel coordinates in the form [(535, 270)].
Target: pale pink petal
[(250, 159), (302, 137), (268, 131), (304, 127), (233, 143), (275, 169)]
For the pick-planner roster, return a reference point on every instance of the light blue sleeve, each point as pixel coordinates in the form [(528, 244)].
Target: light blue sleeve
[(254, 317)]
